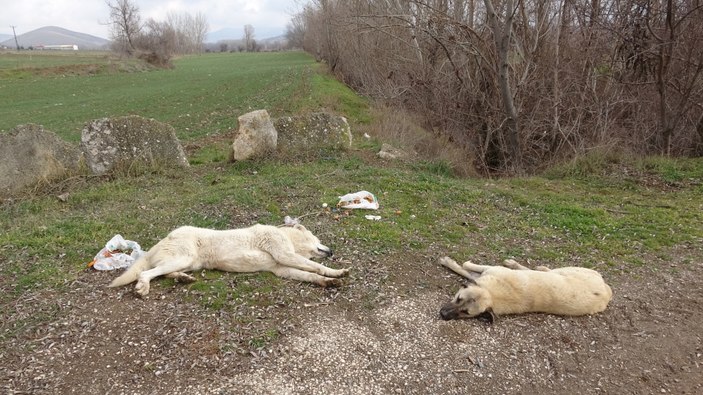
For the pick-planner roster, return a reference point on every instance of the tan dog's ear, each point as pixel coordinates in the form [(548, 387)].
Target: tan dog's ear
[(487, 316), (468, 281)]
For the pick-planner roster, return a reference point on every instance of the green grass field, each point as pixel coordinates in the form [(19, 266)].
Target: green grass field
[(202, 95), (588, 213)]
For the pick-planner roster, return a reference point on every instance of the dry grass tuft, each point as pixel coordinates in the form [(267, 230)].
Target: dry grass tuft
[(403, 130)]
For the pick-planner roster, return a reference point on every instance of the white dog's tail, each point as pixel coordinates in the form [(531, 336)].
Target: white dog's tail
[(132, 272)]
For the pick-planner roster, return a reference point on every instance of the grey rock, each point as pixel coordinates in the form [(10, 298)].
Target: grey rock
[(110, 142), (256, 136), (312, 132), (31, 154)]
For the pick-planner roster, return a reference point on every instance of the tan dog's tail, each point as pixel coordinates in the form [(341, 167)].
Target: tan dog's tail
[(132, 272)]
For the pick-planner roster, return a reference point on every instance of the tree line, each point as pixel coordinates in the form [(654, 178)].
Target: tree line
[(521, 84), (155, 41)]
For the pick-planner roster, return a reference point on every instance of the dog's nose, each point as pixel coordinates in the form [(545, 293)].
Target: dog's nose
[(447, 313), (327, 252)]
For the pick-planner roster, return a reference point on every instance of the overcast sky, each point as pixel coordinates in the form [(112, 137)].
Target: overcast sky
[(90, 16)]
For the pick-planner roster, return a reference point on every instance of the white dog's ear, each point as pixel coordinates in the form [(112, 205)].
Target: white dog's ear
[(299, 227), (288, 221)]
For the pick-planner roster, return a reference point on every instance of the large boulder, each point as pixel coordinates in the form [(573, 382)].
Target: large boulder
[(111, 142), (313, 132), (390, 152), (255, 137), (31, 154)]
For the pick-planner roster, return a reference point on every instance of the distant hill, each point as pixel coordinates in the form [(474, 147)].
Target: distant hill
[(4, 37), (52, 35)]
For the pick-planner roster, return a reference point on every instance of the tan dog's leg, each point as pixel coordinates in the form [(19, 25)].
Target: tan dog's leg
[(512, 264), (472, 267), (451, 264)]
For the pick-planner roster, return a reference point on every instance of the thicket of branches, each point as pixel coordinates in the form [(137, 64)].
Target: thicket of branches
[(523, 83), (155, 41)]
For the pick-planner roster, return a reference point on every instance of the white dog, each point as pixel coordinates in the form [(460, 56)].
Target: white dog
[(285, 251), (513, 289)]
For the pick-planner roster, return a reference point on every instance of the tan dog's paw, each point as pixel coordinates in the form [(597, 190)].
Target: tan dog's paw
[(142, 288), (512, 264), (343, 272), (446, 261)]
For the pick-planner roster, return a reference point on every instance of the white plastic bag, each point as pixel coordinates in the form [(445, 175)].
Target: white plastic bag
[(118, 253), (361, 199)]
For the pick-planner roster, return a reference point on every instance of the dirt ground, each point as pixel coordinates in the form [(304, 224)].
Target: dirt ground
[(378, 334)]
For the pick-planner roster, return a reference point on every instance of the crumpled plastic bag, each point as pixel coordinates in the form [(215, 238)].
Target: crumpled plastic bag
[(289, 221), (361, 199), (117, 254)]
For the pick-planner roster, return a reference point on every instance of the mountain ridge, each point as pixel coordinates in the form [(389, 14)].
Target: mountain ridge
[(54, 35)]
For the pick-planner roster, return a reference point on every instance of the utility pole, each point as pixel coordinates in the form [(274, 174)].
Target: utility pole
[(15, 34)]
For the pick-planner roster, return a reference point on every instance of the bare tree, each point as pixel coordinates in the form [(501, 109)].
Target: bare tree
[(126, 24), (521, 84), (190, 31), (248, 38), (200, 29), (295, 31), (502, 32), (157, 43), (689, 59)]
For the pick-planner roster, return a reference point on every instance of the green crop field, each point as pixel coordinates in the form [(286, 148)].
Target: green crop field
[(202, 95)]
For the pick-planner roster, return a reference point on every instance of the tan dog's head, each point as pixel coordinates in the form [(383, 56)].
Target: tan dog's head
[(471, 301), (306, 243)]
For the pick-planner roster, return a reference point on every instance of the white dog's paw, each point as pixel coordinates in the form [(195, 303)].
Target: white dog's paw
[(331, 283), (184, 278), (142, 288)]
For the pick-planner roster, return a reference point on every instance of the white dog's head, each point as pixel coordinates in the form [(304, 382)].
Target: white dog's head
[(471, 301), (306, 243)]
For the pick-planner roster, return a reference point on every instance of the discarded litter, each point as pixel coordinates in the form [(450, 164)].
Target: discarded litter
[(373, 217), (118, 253), (361, 199), (288, 221)]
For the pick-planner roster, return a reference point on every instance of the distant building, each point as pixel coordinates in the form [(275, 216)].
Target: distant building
[(63, 47)]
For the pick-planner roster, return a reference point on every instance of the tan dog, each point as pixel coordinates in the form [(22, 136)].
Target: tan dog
[(514, 289), (285, 251)]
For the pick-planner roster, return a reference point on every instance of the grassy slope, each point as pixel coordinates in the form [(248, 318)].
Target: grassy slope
[(577, 215)]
